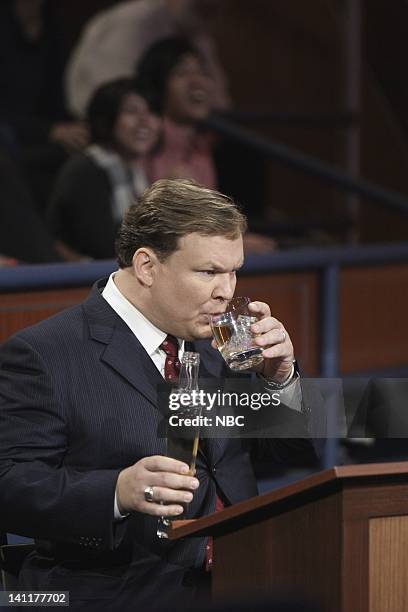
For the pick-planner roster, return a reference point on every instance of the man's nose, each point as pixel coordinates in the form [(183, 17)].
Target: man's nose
[(225, 287)]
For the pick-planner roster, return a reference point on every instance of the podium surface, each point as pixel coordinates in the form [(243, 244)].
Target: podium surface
[(338, 537)]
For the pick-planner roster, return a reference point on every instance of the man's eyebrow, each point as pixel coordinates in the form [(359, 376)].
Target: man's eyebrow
[(217, 268)]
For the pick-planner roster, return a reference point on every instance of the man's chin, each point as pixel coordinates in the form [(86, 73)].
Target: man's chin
[(202, 331)]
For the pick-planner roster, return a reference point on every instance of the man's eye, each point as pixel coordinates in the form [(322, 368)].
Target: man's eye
[(208, 272)]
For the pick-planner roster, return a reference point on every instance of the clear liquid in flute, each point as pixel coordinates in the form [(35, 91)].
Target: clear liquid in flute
[(183, 445), (183, 449)]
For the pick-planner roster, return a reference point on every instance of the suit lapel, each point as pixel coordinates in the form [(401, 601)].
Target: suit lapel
[(126, 355), (123, 351)]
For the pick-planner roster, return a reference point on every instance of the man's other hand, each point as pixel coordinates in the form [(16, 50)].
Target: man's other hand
[(169, 479)]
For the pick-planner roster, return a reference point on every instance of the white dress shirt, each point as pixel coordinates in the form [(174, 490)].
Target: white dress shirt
[(149, 336)]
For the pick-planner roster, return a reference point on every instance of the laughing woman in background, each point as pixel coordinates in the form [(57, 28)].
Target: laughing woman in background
[(95, 188), (177, 72)]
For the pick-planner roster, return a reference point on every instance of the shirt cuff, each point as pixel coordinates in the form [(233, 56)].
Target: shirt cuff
[(116, 513), (293, 375), (290, 392)]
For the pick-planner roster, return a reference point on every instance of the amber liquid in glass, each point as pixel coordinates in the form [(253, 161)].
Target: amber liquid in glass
[(236, 359), (222, 333)]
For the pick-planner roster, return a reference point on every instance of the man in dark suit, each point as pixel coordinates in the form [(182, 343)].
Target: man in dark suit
[(82, 469)]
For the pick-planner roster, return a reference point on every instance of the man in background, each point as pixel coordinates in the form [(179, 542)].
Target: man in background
[(114, 40)]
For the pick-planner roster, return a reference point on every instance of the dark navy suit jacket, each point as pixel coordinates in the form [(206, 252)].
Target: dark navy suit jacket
[(78, 403)]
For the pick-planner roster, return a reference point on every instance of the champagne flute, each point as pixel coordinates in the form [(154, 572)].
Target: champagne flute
[(182, 443)]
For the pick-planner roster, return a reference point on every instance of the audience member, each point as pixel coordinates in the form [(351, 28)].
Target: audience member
[(23, 235), (96, 187), (35, 127), (175, 70), (114, 40)]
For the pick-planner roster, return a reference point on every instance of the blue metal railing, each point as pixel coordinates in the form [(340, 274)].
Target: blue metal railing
[(54, 276), (328, 261)]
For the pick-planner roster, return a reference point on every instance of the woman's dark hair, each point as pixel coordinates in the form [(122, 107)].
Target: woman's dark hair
[(160, 59), (104, 106)]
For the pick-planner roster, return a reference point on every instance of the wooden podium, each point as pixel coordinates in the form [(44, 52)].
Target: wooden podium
[(339, 537)]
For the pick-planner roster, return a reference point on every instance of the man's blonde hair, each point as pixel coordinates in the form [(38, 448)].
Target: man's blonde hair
[(172, 208)]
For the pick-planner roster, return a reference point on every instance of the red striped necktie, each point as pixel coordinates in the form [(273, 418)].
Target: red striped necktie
[(172, 364)]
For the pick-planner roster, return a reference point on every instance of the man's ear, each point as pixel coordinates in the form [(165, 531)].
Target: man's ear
[(144, 264)]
